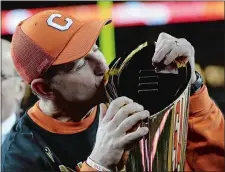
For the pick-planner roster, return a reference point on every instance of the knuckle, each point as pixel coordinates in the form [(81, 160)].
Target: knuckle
[(128, 122), (130, 108), (123, 100), (162, 34), (119, 99), (141, 115), (183, 39), (124, 110), (117, 102), (124, 97), (146, 112), (138, 106), (146, 115), (113, 103), (134, 118)]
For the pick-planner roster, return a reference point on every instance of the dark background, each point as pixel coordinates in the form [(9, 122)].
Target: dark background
[(206, 37)]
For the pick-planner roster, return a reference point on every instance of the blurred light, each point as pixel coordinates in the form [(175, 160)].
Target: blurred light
[(136, 13), (214, 75), (13, 17), (157, 14), (130, 13)]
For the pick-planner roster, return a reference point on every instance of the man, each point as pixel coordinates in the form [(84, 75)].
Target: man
[(57, 55), (13, 90)]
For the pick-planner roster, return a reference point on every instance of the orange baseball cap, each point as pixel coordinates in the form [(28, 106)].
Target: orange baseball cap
[(51, 38)]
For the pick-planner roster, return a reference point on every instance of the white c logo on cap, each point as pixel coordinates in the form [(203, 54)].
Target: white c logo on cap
[(57, 26)]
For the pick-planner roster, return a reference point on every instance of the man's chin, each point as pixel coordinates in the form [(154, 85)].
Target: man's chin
[(100, 96)]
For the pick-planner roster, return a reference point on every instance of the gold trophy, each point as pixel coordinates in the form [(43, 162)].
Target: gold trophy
[(166, 96)]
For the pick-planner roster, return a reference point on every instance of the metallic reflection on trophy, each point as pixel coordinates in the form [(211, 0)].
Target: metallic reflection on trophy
[(166, 96)]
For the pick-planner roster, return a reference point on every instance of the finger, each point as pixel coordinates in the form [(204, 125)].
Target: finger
[(160, 39), (129, 122), (159, 46), (164, 36), (103, 110), (167, 46), (171, 56), (185, 48), (124, 112), (179, 50), (114, 107), (133, 136)]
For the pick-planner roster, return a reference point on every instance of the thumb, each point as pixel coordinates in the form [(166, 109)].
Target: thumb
[(103, 109)]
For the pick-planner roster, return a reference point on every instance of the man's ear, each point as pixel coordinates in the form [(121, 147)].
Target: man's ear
[(42, 89)]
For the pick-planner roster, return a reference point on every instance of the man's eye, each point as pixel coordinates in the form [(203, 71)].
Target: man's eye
[(96, 49), (81, 64)]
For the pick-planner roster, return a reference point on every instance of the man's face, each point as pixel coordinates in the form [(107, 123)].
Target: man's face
[(10, 87), (84, 80)]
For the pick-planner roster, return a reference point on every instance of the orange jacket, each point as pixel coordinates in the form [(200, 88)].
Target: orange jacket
[(205, 142)]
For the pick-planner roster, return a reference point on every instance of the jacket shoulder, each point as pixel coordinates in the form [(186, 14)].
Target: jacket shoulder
[(20, 150)]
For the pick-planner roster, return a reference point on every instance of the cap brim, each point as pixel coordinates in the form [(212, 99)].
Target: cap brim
[(82, 41)]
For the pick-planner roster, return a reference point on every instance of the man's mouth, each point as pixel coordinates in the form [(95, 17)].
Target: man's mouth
[(99, 81)]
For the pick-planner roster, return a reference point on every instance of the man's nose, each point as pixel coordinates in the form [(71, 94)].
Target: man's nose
[(101, 68)]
